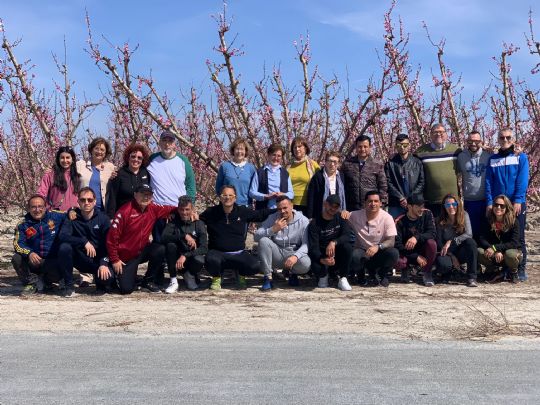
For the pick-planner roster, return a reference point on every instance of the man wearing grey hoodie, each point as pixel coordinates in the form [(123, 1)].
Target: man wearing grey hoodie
[(283, 244)]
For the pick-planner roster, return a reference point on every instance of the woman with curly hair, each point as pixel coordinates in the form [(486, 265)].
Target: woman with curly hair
[(301, 170), (59, 186), (130, 176), (454, 241), (499, 241)]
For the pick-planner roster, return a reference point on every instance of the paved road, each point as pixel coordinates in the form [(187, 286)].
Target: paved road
[(262, 369)]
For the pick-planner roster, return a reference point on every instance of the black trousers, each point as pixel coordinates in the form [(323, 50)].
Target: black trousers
[(381, 263), (244, 262), (466, 252), (343, 258), (28, 273), (154, 254), (193, 264), (74, 257)]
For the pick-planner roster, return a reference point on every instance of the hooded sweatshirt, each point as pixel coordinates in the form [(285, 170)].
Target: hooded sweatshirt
[(293, 237)]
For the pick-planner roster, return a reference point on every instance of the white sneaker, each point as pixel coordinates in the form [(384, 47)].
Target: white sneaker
[(343, 284), (323, 282), (173, 286), (189, 279)]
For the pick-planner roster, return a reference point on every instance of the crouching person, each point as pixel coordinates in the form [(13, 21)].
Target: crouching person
[(35, 259), (415, 240), (128, 240), (186, 243), (283, 244), (330, 247), (499, 241), (82, 243), (375, 233)]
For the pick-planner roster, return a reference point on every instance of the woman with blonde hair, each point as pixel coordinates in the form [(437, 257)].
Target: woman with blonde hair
[(499, 240), (454, 241)]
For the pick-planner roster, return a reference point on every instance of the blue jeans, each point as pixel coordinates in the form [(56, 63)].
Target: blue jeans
[(396, 211), (522, 219), (477, 215)]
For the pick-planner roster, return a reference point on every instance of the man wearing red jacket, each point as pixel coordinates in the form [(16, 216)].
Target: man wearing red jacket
[(128, 240)]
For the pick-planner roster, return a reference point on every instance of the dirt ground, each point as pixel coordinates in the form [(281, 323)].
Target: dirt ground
[(489, 312)]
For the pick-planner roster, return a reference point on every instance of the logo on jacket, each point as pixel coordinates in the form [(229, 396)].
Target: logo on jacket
[(30, 232), (96, 226), (51, 224)]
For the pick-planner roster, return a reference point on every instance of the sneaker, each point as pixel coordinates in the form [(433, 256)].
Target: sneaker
[(69, 292), (428, 279), (343, 284), (384, 282), (515, 278), (472, 283), (152, 287), (267, 284), (293, 280), (173, 286), (28, 289), (189, 279), (522, 275), (323, 282), (404, 278), (216, 283), (241, 282), (40, 284)]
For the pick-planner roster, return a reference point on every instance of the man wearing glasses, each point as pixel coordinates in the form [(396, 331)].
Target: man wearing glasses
[(405, 175), (508, 173), (472, 164), (324, 183), (82, 243)]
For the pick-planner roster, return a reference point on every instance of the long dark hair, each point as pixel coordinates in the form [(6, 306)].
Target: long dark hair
[(444, 219), (59, 179)]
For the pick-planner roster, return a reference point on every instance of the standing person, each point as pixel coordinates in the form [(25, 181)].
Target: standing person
[(186, 243), (415, 240), (324, 183), (301, 171), (226, 224), (271, 180), (455, 241), (329, 241), (128, 240), (59, 186), (472, 164), (237, 171), (499, 240), (363, 173), (283, 241), (375, 233), (96, 172), (35, 259), (440, 168), (508, 174), (130, 176), (405, 175), (82, 244)]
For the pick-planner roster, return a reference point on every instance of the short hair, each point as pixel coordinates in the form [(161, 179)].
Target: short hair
[(86, 190), (362, 138), (372, 192), (506, 129), (184, 201), (274, 148), (98, 141), (35, 196), (401, 137), (237, 142), (281, 198), (333, 153), (473, 132), (227, 186), (301, 140), (437, 125), (136, 147)]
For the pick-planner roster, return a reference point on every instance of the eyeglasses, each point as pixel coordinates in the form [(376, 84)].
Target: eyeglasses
[(474, 142), (227, 195), (450, 205), (402, 145), (136, 157), (87, 200), (501, 206), (505, 138)]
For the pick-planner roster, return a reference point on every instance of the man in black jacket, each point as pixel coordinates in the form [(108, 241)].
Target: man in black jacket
[(405, 175), (226, 224), (415, 239), (186, 243), (82, 243)]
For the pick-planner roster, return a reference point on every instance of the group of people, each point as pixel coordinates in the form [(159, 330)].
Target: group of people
[(438, 212)]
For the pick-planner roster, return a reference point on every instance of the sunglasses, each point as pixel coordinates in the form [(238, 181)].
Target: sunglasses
[(474, 142), (501, 206), (402, 145), (505, 138), (87, 200), (450, 205), (136, 157)]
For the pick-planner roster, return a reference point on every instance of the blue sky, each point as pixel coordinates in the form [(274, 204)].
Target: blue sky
[(175, 38)]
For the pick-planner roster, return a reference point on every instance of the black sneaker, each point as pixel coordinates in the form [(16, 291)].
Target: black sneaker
[(152, 287), (405, 278), (69, 292), (384, 282), (515, 278)]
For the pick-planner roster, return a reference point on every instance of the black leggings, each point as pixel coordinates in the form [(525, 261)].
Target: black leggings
[(465, 252)]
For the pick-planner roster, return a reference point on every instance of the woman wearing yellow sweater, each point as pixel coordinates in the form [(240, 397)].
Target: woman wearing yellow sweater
[(301, 170)]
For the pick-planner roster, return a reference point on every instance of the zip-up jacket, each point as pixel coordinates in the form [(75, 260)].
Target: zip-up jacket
[(122, 187), (293, 236), (80, 231), (316, 193), (358, 180), (131, 228), (422, 228), (397, 171), (502, 240), (176, 230), (38, 237), (507, 173)]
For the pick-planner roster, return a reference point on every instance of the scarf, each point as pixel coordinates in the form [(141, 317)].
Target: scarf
[(309, 165), (339, 188)]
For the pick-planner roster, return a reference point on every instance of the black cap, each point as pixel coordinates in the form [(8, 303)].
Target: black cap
[(167, 135), (333, 199), (144, 188), (415, 199)]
